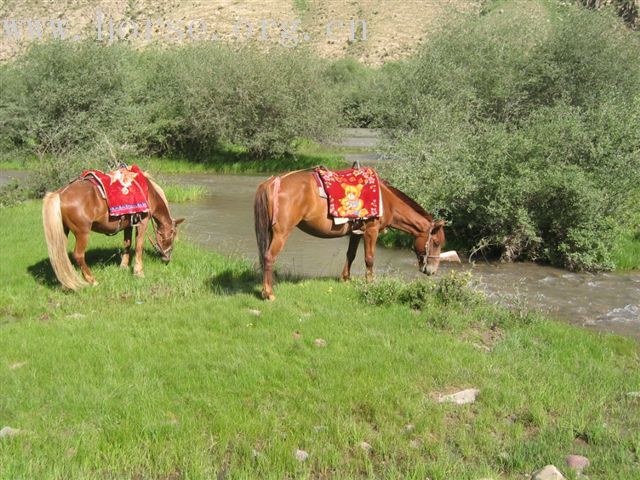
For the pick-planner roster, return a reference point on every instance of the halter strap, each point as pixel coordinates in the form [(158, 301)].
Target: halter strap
[(155, 244)]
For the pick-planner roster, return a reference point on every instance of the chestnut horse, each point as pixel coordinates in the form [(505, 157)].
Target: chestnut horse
[(292, 199), (79, 207)]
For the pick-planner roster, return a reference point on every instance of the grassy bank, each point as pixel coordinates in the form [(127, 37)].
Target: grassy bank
[(230, 159), (187, 374)]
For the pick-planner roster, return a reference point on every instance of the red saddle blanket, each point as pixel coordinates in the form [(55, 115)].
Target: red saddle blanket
[(125, 189), (352, 193)]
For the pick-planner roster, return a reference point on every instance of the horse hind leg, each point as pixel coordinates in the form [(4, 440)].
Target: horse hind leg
[(82, 241), (277, 243), (354, 241)]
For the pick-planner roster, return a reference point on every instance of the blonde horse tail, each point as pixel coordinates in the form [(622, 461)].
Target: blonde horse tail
[(262, 220), (57, 243)]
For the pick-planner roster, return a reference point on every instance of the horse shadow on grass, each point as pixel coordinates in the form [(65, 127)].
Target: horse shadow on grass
[(231, 282), (43, 273)]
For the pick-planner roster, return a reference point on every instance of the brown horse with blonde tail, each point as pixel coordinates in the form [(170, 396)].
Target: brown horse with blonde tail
[(80, 208), (292, 199)]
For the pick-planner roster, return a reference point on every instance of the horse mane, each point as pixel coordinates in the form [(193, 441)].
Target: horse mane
[(158, 190), (408, 200)]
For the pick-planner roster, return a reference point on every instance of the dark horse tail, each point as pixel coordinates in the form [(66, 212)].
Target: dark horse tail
[(262, 220)]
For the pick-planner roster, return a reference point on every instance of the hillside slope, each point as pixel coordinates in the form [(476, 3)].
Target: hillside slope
[(391, 29)]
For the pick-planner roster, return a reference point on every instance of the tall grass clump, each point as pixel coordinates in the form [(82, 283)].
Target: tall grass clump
[(520, 127)]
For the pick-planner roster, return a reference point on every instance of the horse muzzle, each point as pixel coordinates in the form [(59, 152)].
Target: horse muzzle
[(429, 270)]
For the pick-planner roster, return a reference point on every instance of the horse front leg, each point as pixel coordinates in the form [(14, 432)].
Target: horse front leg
[(141, 229), (370, 239), (278, 240), (128, 233), (82, 241), (354, 241)]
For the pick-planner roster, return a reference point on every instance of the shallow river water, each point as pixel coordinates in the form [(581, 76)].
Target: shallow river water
[(223, 221)]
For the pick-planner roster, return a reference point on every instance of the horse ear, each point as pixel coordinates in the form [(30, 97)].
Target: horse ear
[(437, 226), (178, 221)]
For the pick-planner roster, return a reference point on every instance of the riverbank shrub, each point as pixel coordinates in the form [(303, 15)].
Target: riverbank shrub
[(361, 90), (454, 288), (521, 129), (65, 96)]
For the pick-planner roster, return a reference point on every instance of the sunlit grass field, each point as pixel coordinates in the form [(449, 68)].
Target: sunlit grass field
[(187, 374)]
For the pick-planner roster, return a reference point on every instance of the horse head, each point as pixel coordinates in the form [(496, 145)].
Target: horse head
[(166, 233), (428, 246)]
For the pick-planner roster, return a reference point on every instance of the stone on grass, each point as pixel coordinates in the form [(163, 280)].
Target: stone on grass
[(415, 443), (320, 342), (365, 446), (550, 472), (301, 455), (633, 394), (577, 463), (9, 432), (460, 398), (255, 312), (15, 365)]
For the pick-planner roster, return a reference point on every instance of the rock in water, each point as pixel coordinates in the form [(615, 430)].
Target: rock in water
[(460, 398), (550, 472), (576, 463)]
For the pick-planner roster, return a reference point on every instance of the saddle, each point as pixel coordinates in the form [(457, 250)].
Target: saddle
[(125, 190), (353, 195)]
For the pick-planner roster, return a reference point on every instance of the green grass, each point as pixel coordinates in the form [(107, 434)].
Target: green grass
[(236, 160), (626, 252), (175, 376), (230, 159), (184, 193), (301, 5)]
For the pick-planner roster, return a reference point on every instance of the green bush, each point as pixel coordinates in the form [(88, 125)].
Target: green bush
[(112, 100), (523, 133), (69, 95), (361, 91)]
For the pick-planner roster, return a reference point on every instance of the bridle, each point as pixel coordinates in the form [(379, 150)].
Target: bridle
[(156, 245), (427, 249)]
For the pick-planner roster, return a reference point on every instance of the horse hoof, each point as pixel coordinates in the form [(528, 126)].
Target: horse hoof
[(123, 266), (139, 274), (93, 283), (269, 297)]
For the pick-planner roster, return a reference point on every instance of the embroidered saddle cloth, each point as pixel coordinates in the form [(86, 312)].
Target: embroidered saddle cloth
[(353, 193), (125, 189)]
